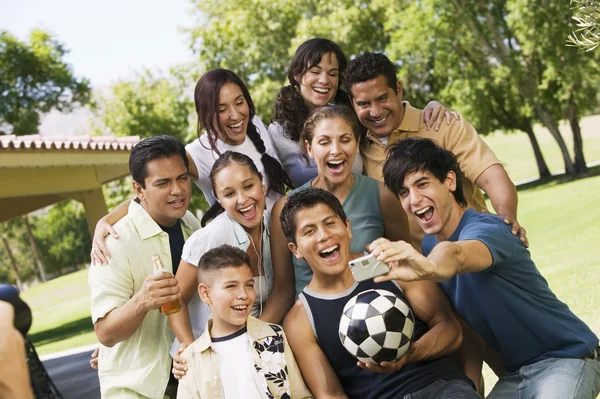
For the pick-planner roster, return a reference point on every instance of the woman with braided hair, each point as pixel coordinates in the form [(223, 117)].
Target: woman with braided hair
[(226, 122)]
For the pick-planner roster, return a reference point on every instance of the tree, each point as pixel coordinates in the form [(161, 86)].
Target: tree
[(587, 17), (498, 62), (149, 104), (257, 39), (16, 262), (63, 236), (34, 79)]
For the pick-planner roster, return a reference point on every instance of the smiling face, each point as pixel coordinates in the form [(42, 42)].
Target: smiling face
[(320, 82), (167, 192), (378, 106), (431, 203), (322, 239), (233, 114), (241, 194), (230, 295), (333, 147)]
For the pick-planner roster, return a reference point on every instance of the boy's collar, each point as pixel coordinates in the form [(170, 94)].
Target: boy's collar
[(256, 330)]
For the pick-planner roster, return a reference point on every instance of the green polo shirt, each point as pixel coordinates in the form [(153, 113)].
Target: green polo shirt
[(139, 366)]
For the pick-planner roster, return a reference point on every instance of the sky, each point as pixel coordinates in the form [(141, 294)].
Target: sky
[(108, 40)]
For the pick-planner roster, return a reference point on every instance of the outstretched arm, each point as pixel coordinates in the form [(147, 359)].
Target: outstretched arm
[(446, 260), (100, 254), (314, 366)]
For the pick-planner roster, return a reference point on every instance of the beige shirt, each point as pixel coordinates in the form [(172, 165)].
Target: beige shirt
[(276, 375), (472, 153), (139, 366)]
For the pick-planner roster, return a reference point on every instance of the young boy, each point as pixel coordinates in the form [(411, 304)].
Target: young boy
[(238, 356)]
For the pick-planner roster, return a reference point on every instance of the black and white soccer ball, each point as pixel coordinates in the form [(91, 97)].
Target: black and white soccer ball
[(376, 326)]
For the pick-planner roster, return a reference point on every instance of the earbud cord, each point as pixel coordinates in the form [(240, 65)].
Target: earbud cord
[(260, 264)]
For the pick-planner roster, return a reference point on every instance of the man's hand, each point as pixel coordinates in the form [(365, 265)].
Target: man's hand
[(391, 367), (434, 114), (179, 363), (94, 360), (515, 227), (100, 254), (406, 264), (158, 289)]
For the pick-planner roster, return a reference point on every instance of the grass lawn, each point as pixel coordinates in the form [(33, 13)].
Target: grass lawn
[(514, 150), (61, 313)]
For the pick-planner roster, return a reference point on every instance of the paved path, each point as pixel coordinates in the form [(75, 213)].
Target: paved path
[(73, 376)]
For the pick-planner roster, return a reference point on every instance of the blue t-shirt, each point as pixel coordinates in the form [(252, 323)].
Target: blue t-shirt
[(510, 304)]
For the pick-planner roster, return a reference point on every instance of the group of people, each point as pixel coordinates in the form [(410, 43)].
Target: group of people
[(338, 172)]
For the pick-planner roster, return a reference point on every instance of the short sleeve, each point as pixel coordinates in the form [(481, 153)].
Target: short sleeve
[(204, 158), (495, 235), (197, 245), (111, 286), (472, 153)]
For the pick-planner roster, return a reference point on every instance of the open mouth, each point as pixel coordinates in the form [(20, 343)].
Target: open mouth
[(336, 166), (425, 214), (240, 309), (236, 127), (321, 90), (380, 121), (178, 203), (248, 212), (330, 253)]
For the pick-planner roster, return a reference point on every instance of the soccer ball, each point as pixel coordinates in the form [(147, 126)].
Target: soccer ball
[(376, 326)]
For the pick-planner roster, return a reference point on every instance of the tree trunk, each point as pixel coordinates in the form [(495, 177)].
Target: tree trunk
[(580, 164), (36, 254), (537, 151), (13, 262), (551, 124)]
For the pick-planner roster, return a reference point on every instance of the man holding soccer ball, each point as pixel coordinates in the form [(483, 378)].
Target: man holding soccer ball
[(490, 279), (317, 229)]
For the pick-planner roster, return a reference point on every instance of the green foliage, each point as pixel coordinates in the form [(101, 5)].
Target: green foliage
[(256, 39), (587, 17), (16, 235), (150, 104), (502, 63), (62, 236), (34, 79)]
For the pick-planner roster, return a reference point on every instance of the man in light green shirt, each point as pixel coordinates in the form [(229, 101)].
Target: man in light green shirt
[(126, 294)]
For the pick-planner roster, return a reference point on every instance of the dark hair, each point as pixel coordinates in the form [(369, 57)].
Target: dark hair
[(162, 146), (221, 163), (323, 113), (290, 109), (369, 66), (206, 97), (307, 198), (221, 257), (419, 154)]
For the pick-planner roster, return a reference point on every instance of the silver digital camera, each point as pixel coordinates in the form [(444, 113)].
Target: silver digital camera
[(367, 267)]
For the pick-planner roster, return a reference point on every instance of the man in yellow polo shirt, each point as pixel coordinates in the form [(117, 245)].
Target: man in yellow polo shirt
[(126, 294), (376, 97)]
